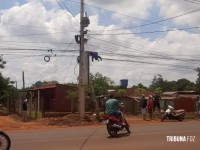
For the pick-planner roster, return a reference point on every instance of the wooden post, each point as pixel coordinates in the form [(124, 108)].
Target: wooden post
[(30, 106), (42, 107), (37, 104)]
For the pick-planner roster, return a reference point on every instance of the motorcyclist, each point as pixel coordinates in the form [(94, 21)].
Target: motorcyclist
[(113, 108)]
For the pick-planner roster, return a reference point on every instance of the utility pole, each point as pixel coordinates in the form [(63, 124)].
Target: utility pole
[(23, 81), (0, 16), (81, 86), (83, 59)]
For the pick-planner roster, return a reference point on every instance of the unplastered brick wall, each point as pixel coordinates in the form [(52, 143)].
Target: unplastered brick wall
[(186, 103)]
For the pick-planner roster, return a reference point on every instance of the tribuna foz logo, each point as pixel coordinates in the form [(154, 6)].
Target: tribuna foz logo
[(180, 138)]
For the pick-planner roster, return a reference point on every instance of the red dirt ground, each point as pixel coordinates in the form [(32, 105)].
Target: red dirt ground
[(11, 123)]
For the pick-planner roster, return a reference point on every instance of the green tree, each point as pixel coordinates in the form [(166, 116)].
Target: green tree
[(198, 79), (3, 81), (156, 82), (121, 92), (101, 83), (184, 84), (169, 86), (140, 91), (158, 90), (7, 91), (73, 97), (140, 85), (4, 86), (2, 63)]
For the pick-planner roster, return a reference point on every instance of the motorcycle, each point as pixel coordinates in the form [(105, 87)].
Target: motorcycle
[(114, 125), (172, 114), (5, 141)]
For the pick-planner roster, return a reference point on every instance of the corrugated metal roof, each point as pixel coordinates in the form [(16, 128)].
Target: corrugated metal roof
[(169, 93), (180, 92), (49, 86)]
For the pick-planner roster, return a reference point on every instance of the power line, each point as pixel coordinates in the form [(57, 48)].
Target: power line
[(149, 63), (193, 1), (33, 34), (146, 32), (158, 55), (31, 26), (155, 22), (46, 50), (69, 19)]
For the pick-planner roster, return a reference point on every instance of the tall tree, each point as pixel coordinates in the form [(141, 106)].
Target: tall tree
[(2, 63), (140, 85), (6, 90), (169, 86), (198, 79), (3, 81), (156, 82), (185, 85), (101, 83), (140, 91)]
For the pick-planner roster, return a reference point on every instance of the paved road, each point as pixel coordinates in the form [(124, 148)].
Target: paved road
[(144, 137)]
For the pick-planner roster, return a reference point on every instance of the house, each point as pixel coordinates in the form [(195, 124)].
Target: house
[(180, 100), (130, 97), (53, 98)]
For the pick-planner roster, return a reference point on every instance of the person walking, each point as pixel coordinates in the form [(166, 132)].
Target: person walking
[(24, 111), (150, 106), (143, 105)]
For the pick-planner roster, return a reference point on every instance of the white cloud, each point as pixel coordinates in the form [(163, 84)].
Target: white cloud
[(144, 58), (171, 8)]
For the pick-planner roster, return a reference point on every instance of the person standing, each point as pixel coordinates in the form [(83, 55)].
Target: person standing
[(24, 111), (150, 106), (143, 105), (157, 102)]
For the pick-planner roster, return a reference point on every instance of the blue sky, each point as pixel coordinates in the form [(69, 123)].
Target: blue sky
[(29, 30)]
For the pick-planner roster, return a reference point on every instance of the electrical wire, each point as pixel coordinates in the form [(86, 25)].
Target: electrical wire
[(193, 1), (69, 18), (154, 22), (147, 32)]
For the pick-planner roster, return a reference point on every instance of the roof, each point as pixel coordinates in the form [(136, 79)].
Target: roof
[(49, 86), (180, 92), (131, 92), (169, 93)]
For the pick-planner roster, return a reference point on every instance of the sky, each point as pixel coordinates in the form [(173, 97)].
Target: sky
[(137, 40)]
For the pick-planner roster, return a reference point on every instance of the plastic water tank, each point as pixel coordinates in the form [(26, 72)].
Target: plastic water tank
[(124, 83)]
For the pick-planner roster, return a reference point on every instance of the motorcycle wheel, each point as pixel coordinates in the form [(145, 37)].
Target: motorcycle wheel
[(111, 130), (163, 117), (127, 126), (181, 118), (5, 141)]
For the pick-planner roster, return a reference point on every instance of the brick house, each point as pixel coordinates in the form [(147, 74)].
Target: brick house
[(53, 98), (131, 98), (180, 100)]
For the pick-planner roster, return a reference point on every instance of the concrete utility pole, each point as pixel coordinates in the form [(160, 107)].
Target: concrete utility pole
[(0, 16), (81, 86)]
